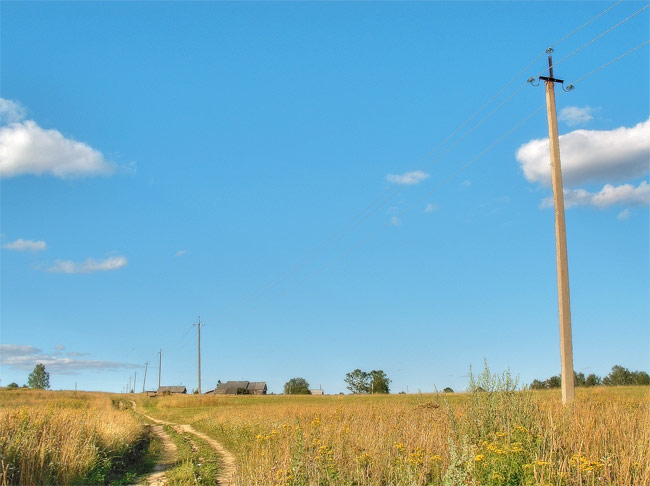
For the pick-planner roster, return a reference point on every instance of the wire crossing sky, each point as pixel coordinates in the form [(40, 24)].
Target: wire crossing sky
[(330, 186)]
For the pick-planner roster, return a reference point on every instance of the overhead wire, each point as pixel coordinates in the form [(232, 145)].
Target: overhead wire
[(610, 62), (395, 189), (454, 174)]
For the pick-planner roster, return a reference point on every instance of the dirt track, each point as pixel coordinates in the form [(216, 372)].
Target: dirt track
[(226, 476)]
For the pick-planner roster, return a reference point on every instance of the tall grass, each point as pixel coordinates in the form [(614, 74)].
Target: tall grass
[(497, 436), (62, 437)]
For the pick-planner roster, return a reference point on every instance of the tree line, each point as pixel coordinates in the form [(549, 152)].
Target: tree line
[(358, 381), (619, 376)]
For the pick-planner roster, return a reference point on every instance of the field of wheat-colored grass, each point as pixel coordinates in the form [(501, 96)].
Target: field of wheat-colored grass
[(484, 438), (498, 438), (51, 437)]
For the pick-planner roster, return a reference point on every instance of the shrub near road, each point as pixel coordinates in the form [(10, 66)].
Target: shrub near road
[(67, 438)]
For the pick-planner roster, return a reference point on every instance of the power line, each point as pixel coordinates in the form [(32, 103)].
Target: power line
[(610, 62), (395, 189)]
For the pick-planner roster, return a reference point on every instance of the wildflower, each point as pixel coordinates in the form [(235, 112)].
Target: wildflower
[(479, 458)]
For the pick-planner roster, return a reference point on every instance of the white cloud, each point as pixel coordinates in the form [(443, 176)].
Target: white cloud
[(431, 207), (11, 112), (575, 115), (466, 183), (408, 178), (25, 245), (89, 266), (180, 253), (26, 148), (59, 347), (591, 155), (24, 357), (623, 215), (625, 194), (395, 221)]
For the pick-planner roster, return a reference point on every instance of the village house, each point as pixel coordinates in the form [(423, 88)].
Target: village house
[(171, 390), (240, 388)]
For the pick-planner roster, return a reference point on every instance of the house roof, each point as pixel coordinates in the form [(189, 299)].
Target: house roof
[(256, 385), (172, 389)]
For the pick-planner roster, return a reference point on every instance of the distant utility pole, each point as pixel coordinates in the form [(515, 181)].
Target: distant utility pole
[(198, 325), (128, 390), (564, 305), (159, 366), (144, 381), (135, 375)]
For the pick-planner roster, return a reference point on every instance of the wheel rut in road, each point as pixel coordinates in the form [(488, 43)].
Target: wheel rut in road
[(168, 459), (226, 476)]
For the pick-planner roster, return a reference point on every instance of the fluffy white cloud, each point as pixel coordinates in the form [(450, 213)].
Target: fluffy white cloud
[(575, 115), (11, 112), (89, 266), (625, 194), (408, 178), (26, 148), (25, 245), (591, 155), (26, 357)]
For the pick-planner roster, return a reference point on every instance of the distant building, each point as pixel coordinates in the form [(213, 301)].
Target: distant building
[(240, 388), (171, 390), (318, 391)]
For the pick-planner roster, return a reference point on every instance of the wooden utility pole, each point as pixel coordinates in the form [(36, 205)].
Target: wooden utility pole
[(159, 366), (564, 305), (135, 375), (144, 381), (198, 325)]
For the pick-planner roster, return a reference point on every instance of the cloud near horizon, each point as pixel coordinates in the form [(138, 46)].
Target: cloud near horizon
[(25, 245), (88, 266), (26, 148), (24, 357), (408, 178)]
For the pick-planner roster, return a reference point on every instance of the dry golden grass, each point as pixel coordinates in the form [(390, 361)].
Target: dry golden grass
[(60, 437), (482, 438)]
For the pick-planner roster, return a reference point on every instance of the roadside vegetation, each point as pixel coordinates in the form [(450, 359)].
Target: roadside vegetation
[(70, 438), (494, 435), (197, 462)]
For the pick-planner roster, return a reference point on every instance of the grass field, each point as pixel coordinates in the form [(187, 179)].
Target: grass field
[(69, 438), (483, 438)]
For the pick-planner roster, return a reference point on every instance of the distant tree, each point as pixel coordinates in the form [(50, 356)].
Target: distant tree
[(640, 378), (12, 386), (579, 379), (618, 376), (296, 386), (593, 380), (358, 381), (538, 385), (554, 382), (39, 379), (379, 382), (447, 390)]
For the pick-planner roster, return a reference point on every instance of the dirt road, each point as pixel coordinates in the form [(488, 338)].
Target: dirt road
[(226, 476)]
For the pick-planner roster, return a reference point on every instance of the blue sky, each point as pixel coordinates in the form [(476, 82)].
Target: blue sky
[(161, 161)]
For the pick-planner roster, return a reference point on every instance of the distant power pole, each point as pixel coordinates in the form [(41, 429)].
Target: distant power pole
[(128, 390), (198, 325), (564, 305), (135, 375), (159, 366), (144, 381)]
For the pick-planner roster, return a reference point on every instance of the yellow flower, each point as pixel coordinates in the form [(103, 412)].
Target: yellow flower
[(479, 458)]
